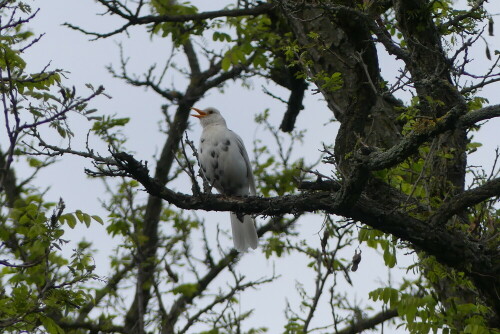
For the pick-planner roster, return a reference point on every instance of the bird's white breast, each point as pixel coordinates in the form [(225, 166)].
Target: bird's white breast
[(222, 161)]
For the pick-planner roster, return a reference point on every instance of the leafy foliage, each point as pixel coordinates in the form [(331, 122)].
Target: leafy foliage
[(41, 281)]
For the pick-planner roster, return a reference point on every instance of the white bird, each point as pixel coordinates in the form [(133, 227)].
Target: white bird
[(224, 161)]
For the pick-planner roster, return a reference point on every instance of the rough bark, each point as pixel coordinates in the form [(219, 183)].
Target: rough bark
[(344, 46)]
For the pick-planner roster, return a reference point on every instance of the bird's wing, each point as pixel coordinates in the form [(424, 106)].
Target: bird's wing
[(244, 153)]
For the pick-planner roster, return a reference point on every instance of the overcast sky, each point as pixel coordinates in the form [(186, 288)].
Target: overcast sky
[(85, 61)]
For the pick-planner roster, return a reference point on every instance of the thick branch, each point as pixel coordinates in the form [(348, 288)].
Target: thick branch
[(134, 18), (93, 328), (423, 132), (462, 201), (378, 30), (459, 253), (474, 258), (369, 323), (194, 64), (454, 119), (479, 115), (471, 13), (252, 11)]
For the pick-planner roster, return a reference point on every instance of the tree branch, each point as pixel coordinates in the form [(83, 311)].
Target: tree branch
[(378, 30), (251, 11), (460, 253), (483, 114), (408, 145), (462, 201), (363, 324), (135, 19), (470, 13), (93, 328), (454, 119)]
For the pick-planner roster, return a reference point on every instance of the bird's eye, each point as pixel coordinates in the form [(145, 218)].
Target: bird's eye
[(210, 111)]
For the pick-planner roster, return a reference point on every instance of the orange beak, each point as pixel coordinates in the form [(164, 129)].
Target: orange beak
[(200, 112)]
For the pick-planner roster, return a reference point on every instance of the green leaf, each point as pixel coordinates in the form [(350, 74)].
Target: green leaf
[(386, 295), (51, 326), (61, 131), (79, 215), (212, 331), (217, 36), (313, 35), (389, 258), (98, 219), (69, 218), (332, 83), (34, 162), (188, 289), (226, 62), (87, 219)]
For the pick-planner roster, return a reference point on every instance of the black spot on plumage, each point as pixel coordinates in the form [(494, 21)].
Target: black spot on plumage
[(216, 143), (217, 177), (202, 140), (201, 150), (215, 165), (225, 148), (228, 142), (212, 154)]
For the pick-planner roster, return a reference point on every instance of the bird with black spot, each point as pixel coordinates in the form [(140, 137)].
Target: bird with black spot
[(225, 163)]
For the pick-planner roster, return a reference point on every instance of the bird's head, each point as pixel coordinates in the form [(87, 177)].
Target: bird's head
[(209, 116)]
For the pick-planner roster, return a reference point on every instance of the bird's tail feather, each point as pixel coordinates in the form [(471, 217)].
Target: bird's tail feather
[(244, 232)]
